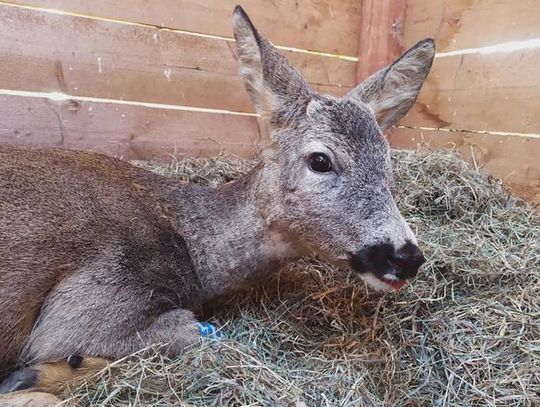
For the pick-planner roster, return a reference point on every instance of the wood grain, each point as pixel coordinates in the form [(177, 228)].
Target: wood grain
[(329, 25), (86, 57), (130, 132), (461, 24), (382, 25), (498, 70), (515, 160), (475, 71), (496, 92), (485, 92), (513, 110)]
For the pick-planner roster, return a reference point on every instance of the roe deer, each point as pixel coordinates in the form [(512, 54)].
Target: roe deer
[(100, 258)]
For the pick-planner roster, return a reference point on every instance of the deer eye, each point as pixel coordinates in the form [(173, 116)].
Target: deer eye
[(319, 162)]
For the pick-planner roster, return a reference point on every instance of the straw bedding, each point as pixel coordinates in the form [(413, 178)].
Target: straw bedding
[(465, 333)]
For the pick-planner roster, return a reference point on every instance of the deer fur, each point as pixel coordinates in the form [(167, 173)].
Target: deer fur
[(100, 258)]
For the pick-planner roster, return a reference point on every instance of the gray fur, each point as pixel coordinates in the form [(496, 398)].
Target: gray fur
[(100, 258), (392, 91)]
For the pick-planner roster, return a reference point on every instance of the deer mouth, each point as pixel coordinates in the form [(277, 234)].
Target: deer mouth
[(386, 282), (379, 278), (393, 281)]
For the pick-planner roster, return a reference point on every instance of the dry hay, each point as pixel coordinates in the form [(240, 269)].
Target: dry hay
[(466, 333)]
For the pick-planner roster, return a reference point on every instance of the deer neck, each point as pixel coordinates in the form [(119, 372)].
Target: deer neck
[(230, 242)]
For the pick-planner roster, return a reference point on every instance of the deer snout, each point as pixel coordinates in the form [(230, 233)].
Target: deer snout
[(407, 260), (391, 266)]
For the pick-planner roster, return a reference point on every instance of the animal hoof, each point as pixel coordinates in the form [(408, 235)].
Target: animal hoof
[(19, 380), (75, 361), (207, 330)]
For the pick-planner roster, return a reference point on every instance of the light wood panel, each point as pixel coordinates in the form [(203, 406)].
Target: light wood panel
[(515, 160), (323, 25), (80, 56), (130, 132), (493, 92), (497, 70), (460, 24), (514, 110)]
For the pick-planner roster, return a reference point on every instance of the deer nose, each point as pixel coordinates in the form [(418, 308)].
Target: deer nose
[(384, 260), (406, 261)]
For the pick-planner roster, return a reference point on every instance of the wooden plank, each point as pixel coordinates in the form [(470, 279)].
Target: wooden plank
[(498, 70), (494, 92), (513, 110), (86, 57), (380, 36), (461, 24), (514, 160), (329, 26), (130, 132)]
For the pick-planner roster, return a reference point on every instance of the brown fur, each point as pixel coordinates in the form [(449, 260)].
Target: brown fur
[(101, 258), (29, 399), (75, 222)]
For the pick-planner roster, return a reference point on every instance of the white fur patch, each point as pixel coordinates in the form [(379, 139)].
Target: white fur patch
[(390, 277), (375, 283)]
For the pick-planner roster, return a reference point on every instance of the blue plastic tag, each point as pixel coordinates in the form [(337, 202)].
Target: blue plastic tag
[(207, 330)]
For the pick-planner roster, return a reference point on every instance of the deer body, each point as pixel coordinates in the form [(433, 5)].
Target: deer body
[(112, 236), (100, 258), (93, 234)]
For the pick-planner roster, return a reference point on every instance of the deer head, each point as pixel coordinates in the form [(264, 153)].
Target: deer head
[(326, 177)]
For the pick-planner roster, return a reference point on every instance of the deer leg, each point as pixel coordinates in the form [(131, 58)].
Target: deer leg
[(37, 385), (49, 377), (174, 329)]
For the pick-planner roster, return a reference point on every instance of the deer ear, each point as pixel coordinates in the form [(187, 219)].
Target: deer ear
[(277, 90), (392, 91)]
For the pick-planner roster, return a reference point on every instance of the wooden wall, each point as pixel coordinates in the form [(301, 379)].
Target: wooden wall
[(172, 59), (150, 79), (485, 101)]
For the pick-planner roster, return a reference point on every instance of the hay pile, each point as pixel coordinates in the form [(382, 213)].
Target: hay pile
[(466, 333)]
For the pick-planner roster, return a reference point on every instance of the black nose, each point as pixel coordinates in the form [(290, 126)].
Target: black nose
[(384, 259), (407, 260)]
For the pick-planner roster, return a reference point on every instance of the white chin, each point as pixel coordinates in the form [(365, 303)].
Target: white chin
[(374, 282)]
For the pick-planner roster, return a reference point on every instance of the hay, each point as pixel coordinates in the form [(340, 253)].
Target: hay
[(465, 333)]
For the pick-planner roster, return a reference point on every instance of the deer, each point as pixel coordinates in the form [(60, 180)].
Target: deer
[(100, 258)]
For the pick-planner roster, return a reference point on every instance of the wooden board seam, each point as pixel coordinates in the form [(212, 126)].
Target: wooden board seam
[(62, 97), (509, 46), (134, 132), (494, 133), (171, 29)]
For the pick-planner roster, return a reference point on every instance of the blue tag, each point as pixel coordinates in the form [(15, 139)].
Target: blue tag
[(207, 330)]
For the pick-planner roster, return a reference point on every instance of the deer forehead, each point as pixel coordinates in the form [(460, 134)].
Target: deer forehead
[(350, 120), (342, 127)]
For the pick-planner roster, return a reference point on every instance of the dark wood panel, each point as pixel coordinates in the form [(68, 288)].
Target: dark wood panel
[(380, 36)]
